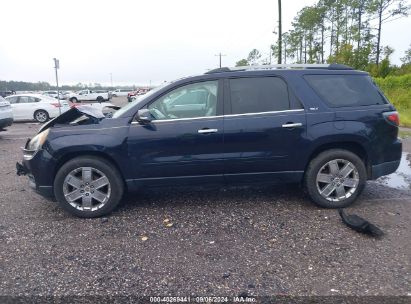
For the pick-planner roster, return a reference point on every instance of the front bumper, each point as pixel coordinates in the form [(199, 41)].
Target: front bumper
[(39, 168), (46, 191)]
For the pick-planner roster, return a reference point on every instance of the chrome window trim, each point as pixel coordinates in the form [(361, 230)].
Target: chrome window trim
[(262, 113), (218, 116)]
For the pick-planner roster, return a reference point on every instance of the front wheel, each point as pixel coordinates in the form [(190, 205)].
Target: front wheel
[(335, 178), (88, 186)]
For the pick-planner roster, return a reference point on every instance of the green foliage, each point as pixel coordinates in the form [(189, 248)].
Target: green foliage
[(242, 62), (254, 56), (45, 86), (406, 60), (398, 91)]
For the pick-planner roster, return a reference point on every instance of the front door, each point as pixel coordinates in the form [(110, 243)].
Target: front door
[(184, 141), (264, 131)]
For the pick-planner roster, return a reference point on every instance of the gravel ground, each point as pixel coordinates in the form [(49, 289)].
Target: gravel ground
[(221, 241)]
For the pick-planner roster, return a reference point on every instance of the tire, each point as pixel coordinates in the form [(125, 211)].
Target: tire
[(41, 116), (114, 95), (328, 168), (89, 198), (74, 99), (100, 99)]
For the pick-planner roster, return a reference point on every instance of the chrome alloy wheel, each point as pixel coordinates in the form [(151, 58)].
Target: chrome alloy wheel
[(41, 116), (337, 180), (86, 189)]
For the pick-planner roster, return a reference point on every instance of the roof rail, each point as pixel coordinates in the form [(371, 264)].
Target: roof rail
[(332, 66)]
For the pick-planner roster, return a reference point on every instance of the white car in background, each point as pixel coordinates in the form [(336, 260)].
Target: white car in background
[(53, 94), (121, 92), (6, 114), (89, 95), (36, 106)]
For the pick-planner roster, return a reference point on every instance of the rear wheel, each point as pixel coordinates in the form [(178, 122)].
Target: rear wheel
[(335, 178), (41, 116), (74, 99), (100, 99), (88, 186)]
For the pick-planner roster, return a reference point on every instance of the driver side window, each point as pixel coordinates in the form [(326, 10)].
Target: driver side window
[(189, 101)]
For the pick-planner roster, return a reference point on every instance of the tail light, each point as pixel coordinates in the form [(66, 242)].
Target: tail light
[(392, 118), (56, 104)]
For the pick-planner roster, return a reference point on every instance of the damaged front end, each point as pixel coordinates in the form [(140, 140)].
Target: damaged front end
[(35, 155), (79, 115)]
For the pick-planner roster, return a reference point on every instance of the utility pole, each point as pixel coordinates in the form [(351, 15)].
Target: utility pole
[(279, 33), (57, 66), (111, 80), (220, 55)]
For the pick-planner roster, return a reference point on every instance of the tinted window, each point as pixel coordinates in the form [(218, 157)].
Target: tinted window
[(26, 99), (193, 100), (12, 99), (263, 94), (345, 90)]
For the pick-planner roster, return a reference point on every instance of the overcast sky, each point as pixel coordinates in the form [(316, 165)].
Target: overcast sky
[(143, 41)]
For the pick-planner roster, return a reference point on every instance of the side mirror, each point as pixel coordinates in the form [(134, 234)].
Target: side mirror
[(144, 116)]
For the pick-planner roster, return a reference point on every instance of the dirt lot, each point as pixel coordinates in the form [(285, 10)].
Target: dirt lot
[(223, 241)]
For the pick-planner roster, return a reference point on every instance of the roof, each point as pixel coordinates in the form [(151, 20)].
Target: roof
[(330, 67)]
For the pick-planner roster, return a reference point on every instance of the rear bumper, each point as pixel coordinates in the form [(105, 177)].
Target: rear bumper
[(387, 160), (5, 122), (384, 168)]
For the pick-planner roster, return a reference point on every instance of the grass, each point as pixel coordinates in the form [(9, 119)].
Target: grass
[(404, 134), (398, 91)]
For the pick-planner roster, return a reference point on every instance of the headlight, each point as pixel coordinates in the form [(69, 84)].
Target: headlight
[(37, 141)]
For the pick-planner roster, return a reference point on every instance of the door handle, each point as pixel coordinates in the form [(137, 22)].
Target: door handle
[(292, 125), (207, 131)]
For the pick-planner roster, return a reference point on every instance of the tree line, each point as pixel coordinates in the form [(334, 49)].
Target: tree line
[(339, 31), (45, 86)]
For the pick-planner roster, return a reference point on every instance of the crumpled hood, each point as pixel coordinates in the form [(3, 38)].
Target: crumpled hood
[(74, 113)]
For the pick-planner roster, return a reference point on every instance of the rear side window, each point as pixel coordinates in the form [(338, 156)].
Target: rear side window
[(345, 90), (258, 94)]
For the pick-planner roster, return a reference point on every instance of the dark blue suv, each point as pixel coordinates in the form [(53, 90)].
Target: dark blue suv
[(327, 127)]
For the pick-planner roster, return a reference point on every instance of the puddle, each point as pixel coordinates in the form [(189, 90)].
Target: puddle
[(400, 179)]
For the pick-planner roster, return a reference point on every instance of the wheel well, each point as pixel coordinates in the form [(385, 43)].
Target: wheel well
[(353, 147), (100, 98), (38, 110), (72, 155)]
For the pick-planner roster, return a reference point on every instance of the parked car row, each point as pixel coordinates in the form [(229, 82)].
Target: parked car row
[(133, 95)]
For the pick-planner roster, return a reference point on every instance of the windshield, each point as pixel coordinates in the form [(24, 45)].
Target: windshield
[(137, 101)]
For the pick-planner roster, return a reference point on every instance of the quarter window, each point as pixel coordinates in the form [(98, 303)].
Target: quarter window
[(345, 90), (259, 94), (12, 99), (190, 101)]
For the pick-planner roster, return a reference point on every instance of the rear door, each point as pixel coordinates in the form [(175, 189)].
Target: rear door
[(23, 107), (15, 107), (265, 127)]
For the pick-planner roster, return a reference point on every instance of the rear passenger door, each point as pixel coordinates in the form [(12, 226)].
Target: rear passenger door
[(264, 130)]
